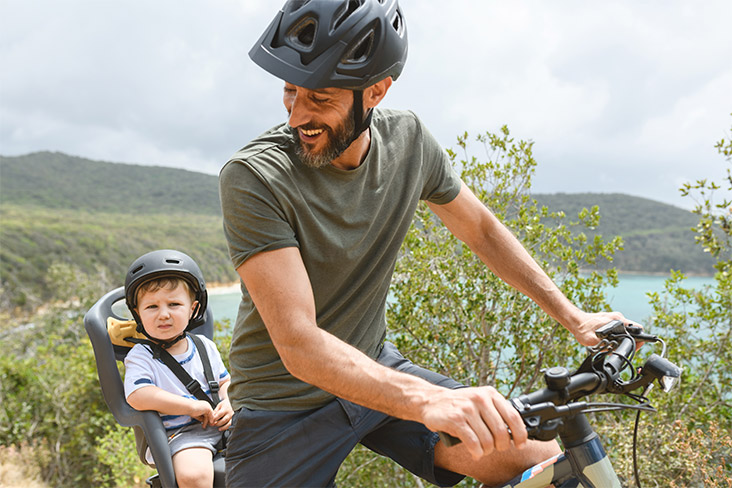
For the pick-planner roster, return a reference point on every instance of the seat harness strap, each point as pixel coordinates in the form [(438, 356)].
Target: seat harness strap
[(193, 386)]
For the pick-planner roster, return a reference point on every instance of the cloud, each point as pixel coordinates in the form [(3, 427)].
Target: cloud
[(620, 96)]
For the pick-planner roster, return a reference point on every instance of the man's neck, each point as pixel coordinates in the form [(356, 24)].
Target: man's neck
[(354, 155)]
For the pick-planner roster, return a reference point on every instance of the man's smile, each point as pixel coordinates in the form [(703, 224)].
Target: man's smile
[(311, 132)]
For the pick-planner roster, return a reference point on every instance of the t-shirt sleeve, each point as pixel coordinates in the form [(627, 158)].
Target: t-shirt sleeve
[(138, 370), (253, 221), (441, 182)]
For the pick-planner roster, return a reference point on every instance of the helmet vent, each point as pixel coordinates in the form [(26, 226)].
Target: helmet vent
[(172, 261), (397, 22), (362, 51), (304, 33), (346, 11), (137, 270)]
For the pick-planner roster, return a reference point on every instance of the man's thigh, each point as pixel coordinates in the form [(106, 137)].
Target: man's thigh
[(303, 448)]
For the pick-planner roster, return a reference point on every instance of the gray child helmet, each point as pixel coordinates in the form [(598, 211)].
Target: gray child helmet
[(349, 44), (161, 264)]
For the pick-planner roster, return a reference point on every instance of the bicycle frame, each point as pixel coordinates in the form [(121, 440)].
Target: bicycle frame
[(584, 462)]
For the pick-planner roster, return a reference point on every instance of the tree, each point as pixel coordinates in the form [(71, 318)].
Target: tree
[(693, 425)]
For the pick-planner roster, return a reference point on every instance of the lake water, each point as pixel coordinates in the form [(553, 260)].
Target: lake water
[(629, 297)]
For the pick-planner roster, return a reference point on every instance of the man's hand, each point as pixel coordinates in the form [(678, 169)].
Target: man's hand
[(480, 417), (584, 332)]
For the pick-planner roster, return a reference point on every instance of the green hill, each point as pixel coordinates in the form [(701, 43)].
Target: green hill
[(657, 237), (59, 181), (97, 217)]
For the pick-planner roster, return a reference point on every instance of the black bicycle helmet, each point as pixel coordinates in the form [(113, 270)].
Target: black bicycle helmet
[(334, 43), (160, 264), (349, 44)]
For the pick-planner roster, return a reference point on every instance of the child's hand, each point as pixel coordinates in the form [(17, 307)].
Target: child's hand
[(222, 415), (202, 411)]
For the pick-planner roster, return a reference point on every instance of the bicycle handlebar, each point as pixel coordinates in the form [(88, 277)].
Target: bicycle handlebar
[(599, 373)]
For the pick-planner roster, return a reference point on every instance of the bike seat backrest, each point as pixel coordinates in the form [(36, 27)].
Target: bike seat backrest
[(107, 323)]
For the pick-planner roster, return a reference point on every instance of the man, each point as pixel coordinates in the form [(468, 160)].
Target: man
[(315, 211)]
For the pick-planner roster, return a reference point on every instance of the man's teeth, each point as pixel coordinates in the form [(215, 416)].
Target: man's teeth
[(314, 132)]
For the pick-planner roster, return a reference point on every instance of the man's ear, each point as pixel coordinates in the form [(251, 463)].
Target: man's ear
[(375, 93)]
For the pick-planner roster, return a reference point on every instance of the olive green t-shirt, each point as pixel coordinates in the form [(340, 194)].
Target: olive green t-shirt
[(348, 226)]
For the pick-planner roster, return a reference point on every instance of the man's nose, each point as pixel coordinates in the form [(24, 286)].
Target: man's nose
[(298, 110)]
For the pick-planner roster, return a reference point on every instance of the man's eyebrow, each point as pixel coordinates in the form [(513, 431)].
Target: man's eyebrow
[(325, 91)]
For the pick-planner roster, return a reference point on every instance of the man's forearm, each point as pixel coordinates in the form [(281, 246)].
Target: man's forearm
[(321, 359)]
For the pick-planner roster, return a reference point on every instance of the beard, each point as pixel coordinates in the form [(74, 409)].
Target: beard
[(338, 141)]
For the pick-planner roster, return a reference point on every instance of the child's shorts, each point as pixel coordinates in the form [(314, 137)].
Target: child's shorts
[(193, 435)]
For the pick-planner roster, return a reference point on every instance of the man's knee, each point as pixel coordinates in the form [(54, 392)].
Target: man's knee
[(497, 467)]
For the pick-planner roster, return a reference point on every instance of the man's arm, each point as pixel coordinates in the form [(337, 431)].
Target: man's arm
[(279, 286), (471, 222)]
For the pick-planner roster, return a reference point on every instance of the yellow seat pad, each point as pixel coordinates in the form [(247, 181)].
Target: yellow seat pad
[(119, 330)]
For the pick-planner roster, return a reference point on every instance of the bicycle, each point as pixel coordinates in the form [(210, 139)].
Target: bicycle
[(555, 410)]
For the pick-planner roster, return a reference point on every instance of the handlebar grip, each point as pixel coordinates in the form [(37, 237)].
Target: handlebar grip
[(618, 359)]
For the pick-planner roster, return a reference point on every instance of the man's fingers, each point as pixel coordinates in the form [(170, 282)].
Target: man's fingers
[(486, 421), (513, 420)]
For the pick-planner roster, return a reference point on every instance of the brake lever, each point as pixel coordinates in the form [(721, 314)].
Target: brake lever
[(638, 333), (543, 420)]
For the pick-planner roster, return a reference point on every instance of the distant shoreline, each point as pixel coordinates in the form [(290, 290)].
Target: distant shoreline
[(215, 288), (222, 288), (651, 273)]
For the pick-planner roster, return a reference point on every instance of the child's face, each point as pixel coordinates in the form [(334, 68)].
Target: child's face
[(165, 312)]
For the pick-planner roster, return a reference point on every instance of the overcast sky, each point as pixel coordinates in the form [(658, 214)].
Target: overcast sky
[(618, 96)]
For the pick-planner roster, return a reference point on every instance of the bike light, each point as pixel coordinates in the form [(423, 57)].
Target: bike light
[(668, 373), (668, 383)]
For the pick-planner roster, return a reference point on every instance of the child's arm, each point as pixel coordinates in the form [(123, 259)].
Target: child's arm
[(223, 412), (155, 398)]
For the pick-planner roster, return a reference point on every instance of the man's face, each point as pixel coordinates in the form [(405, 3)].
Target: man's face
[(321, 122)]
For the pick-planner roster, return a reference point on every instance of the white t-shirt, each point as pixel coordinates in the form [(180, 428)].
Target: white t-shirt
[(142, 370)]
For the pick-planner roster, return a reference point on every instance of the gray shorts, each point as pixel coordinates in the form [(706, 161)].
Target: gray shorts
[(192, 435), (306, 448)]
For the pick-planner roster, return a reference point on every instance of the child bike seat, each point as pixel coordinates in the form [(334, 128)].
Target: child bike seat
[(107, 328)]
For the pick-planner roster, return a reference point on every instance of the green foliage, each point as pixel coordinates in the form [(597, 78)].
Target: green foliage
[(119, 464), (656, 237), (50, 399), (51, 405), (698, 326), (99, 216), (445, 296), (99, 244), (59, 181)]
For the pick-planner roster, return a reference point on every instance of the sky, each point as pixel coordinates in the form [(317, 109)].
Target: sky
[(623, 96)]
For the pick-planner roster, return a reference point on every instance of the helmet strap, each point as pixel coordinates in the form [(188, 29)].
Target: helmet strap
[(360, 123), (158, 342)]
